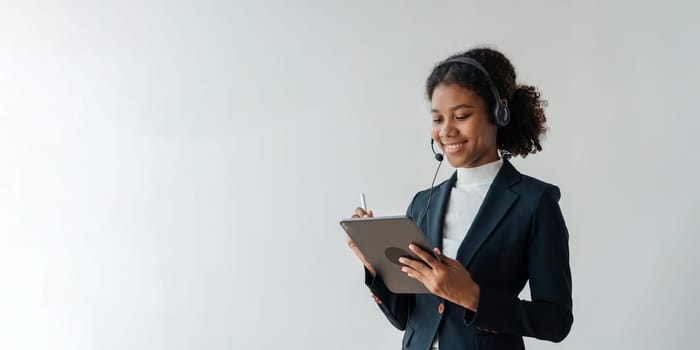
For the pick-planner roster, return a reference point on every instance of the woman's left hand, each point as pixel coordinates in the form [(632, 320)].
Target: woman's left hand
[(446, 278)]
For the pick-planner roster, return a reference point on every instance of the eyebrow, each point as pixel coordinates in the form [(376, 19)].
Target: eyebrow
[(453, 108)]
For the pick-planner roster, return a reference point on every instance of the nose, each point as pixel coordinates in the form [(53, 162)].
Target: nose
[(448, 128)]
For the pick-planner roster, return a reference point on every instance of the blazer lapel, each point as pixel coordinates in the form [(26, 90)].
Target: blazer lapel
[(436, 213), (496, 204)]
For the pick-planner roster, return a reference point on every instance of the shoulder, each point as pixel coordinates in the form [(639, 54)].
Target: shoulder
[(535, 194), (422, 198), (537, 199), (536, 187), (423, 195), (525, 186)]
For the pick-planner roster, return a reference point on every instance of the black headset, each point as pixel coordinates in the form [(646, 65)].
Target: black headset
[(501, 113)]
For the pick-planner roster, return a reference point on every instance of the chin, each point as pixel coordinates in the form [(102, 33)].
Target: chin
[(457, 163), (462, 163)]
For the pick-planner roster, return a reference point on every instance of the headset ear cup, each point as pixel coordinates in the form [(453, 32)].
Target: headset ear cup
[(501, 114)]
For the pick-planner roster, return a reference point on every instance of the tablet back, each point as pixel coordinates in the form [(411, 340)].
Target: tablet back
[(383, 240)]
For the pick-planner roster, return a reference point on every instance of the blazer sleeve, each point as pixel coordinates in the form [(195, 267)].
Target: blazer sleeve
[(396, 307), (549, 315)]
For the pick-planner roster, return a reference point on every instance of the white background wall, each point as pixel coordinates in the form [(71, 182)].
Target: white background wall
[(172, 173)]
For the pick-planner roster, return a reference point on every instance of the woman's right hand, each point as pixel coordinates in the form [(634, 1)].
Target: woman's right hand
[(361, 213)]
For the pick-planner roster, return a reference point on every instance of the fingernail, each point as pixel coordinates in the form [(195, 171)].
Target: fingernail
[(402, 260), (411, 246), (404, 269)]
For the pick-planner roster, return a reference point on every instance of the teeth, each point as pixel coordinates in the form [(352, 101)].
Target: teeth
[(454, 146)]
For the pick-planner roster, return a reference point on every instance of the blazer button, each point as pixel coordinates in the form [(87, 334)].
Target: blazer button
[(441, 308)]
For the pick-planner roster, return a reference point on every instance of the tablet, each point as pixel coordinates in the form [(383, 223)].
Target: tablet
[(383, 240)]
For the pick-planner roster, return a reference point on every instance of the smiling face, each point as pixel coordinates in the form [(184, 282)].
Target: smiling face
[(461, 127)]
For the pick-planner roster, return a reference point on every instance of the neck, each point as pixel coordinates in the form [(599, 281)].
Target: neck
[(488, 157), (481, 175)]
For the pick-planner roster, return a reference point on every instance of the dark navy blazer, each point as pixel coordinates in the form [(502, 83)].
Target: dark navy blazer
[(518, 235)]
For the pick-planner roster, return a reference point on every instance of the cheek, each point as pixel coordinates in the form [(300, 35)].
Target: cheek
[(472, 129), (484, 130)]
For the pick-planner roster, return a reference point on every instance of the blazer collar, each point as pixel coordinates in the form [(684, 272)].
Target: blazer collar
[(496, 204)]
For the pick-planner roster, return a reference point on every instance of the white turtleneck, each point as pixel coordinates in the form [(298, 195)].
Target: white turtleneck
[(466, 197), (465, 200)]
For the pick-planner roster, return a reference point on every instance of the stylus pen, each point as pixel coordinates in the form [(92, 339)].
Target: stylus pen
[(363, 202)]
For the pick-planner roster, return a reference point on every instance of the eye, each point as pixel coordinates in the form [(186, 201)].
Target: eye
[(462, 117), (436, 120)]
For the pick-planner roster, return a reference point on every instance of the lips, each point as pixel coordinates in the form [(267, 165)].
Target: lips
[(453, 147)]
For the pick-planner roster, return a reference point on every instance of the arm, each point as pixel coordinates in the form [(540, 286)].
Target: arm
[(549, 315), (396, 307)]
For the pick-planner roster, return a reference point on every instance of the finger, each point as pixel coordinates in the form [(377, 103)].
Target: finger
[(413, 273), (451, 262), (425, 256), (414, 264), (360, 212), (444, 258), (441, 258), (349, 240), (371, 214), (356, 250)]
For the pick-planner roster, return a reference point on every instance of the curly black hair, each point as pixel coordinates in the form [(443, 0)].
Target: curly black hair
[(527, 123)]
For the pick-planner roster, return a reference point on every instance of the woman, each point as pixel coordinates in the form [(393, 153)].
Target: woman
[(493, 228)]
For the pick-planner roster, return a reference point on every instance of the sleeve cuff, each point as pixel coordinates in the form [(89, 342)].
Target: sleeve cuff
[(377, 286), (488, 306), (469, 317)]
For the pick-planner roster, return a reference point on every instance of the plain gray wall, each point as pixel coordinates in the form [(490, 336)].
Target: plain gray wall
[(172, 173)]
